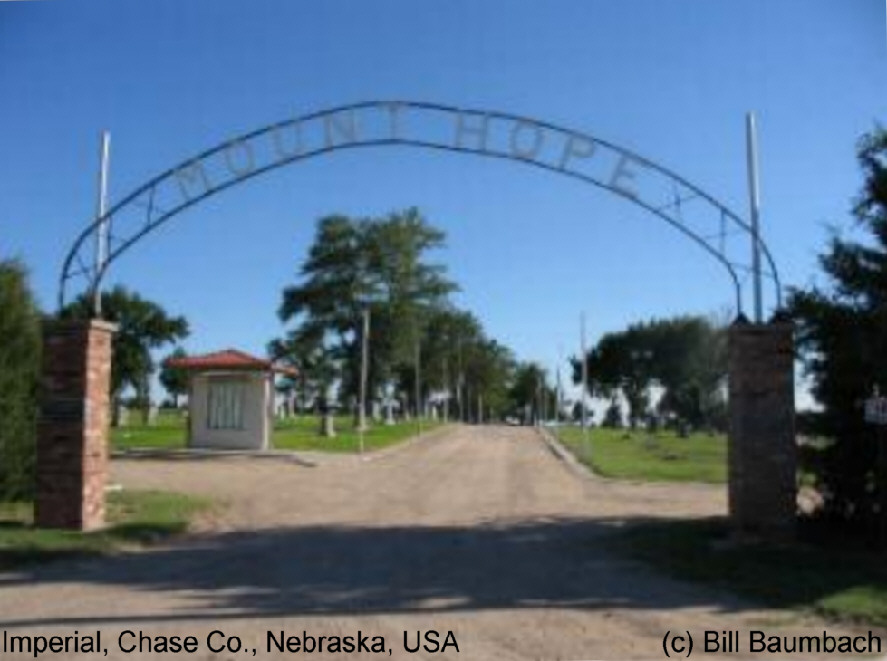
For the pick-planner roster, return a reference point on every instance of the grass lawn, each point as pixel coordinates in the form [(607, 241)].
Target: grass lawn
[(134, 518), (168, 431), (659, 457), (832, 578), (299, 433)]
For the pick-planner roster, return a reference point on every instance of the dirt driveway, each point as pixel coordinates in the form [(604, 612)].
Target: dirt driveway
[(477, 530)]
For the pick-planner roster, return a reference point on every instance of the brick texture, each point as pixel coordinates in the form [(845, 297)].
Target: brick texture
[(72, 434), (762, 454)]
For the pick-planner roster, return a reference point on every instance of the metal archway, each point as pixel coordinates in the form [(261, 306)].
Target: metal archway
[(686, 207)]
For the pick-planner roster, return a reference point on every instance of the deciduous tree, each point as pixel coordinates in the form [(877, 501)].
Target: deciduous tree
[(143, 326)]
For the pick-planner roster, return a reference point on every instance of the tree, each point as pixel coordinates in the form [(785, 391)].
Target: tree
[(296, 350), (842, 337), (529, 390), (174, 379), (621, 363), (686, 356), (142, 326), (20, 348), (488, 371), (690, 364), (376, 263), (613, 415), (304, 349)]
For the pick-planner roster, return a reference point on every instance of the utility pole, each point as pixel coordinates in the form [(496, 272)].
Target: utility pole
[(459, 378), (543, 392), (446, 380), (103, 230), (418, 381), (364, 369)]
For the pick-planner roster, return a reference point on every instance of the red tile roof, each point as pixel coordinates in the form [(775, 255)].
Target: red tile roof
[(229, 359)]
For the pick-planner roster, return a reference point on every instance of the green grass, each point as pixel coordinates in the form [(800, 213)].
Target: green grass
[(134, 518), (299, 433), (659, 457), (168, 431), (835, 579)]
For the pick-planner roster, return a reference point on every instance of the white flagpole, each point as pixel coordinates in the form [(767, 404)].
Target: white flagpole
[(754, 196), (364, 369), (586, 450), (101, 239)]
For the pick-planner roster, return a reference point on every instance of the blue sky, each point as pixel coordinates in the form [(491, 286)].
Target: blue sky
[(669, 79)]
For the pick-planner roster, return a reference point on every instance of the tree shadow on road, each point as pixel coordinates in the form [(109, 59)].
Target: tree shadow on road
[(328, 570)]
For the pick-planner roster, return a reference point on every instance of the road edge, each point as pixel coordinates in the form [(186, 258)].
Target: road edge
[(564, 455)]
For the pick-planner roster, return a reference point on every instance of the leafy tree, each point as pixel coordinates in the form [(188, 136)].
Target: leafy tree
[(621, 363), (296, 351), (143, 326), (690, 363), (376, 263), (446, 331), (613, 415), (842, 336), (576, 413), (316, 368), (684, 355), (20, 347), (528, 391), (489, 370), (174, 379)]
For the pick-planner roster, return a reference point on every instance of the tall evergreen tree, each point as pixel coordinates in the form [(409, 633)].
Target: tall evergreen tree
[(377, 263), (20, 345), (842, 335)]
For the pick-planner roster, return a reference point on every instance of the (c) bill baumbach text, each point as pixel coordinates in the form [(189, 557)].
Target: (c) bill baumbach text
[(760, 642), (217, 642)]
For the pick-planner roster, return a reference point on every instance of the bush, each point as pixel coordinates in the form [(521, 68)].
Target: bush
[(20, 345)]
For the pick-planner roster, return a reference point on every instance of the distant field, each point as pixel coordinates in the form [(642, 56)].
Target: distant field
[(299, 433), (641, 455)]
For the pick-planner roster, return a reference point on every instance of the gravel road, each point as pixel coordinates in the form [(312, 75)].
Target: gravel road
[(481, 531)]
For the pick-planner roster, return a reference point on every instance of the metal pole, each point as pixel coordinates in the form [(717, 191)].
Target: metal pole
[(459, 379), (754, 196), (446, 380), (101, 238), (364, 369), (544, 406), (586, 450), (418, 382)]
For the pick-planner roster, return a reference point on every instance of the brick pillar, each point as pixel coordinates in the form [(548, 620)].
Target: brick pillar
[(762, 490), (72, 433)]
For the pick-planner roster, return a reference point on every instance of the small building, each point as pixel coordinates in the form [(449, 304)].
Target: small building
[(230, 399)]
